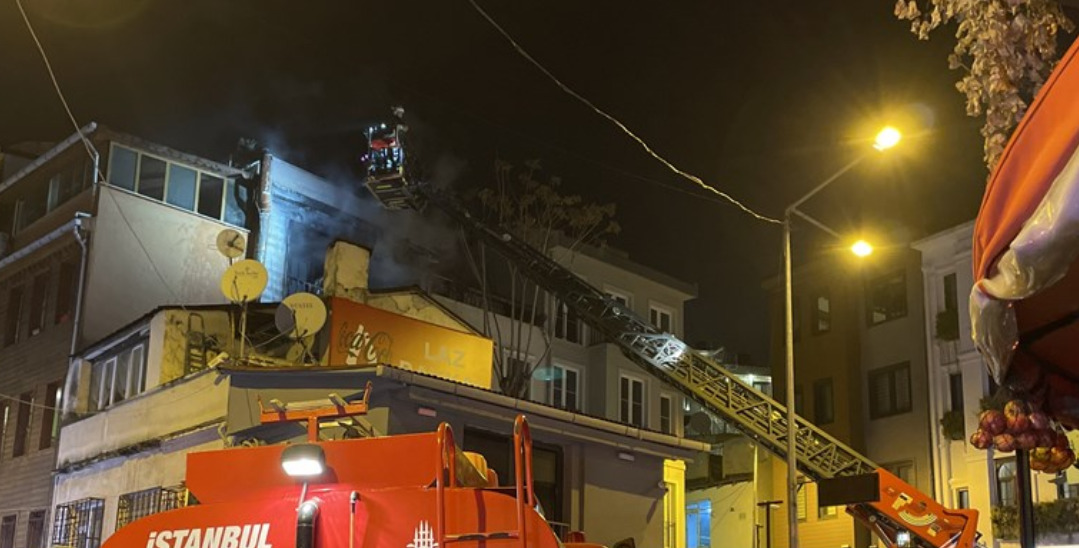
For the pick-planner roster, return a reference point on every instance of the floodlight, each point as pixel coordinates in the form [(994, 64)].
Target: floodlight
[(303, 460)]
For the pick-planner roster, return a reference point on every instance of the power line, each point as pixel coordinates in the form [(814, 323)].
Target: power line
[(93, 156), (688, 176)]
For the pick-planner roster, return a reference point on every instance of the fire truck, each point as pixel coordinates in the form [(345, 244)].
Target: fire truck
[(419, 491)]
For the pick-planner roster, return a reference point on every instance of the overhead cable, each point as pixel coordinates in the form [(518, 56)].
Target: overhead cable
[(688, 176)]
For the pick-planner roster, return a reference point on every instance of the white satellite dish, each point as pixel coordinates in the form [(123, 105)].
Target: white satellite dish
[(300, 315), (244, 281), (231, 243)]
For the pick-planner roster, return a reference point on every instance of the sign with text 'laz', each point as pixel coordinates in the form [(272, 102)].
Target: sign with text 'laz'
[(364, 335)]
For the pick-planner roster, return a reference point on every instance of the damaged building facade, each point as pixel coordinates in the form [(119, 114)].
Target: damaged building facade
[(611, 480)]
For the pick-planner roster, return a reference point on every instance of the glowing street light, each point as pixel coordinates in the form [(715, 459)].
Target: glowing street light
[(887, 138), (861, 248)]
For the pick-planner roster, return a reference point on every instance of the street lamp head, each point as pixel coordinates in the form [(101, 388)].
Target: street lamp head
[(861, 248), (887, 138)]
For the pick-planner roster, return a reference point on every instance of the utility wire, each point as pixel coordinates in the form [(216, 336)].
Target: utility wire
[(688, 176), (90, 151)]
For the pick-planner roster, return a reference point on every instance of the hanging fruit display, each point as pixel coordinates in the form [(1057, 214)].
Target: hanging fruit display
[(1018, 427)]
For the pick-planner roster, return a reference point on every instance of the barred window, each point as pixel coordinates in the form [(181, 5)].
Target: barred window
[(78, 524), (139, 504)]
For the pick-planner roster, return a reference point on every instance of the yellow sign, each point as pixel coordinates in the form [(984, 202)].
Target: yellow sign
[(363, 335)]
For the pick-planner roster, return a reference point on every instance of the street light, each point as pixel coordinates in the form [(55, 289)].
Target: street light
[(885, 139)]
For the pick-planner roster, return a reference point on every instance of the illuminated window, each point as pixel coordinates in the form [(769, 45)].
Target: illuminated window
[(699, 524), (116, 378)]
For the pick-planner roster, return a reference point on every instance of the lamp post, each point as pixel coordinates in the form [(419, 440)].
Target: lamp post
[(887, 138)]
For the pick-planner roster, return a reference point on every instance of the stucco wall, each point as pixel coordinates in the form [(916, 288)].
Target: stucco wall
[(623, 499), (122, 284)]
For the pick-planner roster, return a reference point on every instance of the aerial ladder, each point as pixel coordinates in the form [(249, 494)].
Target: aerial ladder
[(900, 516)]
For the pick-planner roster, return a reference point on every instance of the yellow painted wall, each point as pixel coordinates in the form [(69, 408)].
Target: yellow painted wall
[(674, 504)]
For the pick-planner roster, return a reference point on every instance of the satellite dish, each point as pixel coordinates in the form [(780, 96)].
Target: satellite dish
[(300, 315), (700, 422), (244, 281), (231, 243)]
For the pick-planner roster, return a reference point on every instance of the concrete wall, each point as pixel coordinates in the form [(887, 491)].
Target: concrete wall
[(122, 284)]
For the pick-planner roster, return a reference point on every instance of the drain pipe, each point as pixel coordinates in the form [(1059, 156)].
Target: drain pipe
[(82, 234), (306, 516)]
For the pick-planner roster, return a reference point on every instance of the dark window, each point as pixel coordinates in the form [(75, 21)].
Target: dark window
[(962, 498), (666, 409), (122, 168), (886, 298), (823, 402), (661, 319), (32, 205), (902, 470), (78, 524), (951, 301), (50, 418), (182, 183), (822, 315), (798, 405), (211, 191), (35, 529), (955, 387), (547, 466), (66, 291), (235, 202), (151, 177), (137, 505), (39, 301), (567, 325), (13, 318), (7, 531), (67, 184), (631, 400), (5, 416), (565, 386), (889, 391), (22, 424), (796, 318)]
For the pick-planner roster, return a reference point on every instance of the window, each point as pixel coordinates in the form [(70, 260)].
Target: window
[(7, 531), (798, 405), (211, 192), (39, 300), (137, 505), (181, 188), (962, 498), (886, 298), (22, 424), (699, 524), (151, 177), (661, 319), (32, 205), (902, 470), (5, 413), (631, 401), (178, 185), (666, 411), (951, 300), (68, 183), (122, 164), (822, 315), (802, 500), (889, 391), (116, 378), (50, 418), (78, 523), (823, 402), (621, 298), (35, 529), (955, 389), (13, 318), (565, 386), (1006, 494), (568, 326), (547, 465), (65, 292)]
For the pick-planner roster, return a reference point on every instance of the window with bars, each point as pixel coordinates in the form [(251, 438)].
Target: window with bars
[(139, 504), (78, 524)]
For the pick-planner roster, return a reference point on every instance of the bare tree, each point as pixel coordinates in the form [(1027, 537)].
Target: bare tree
[(530, 205), (1006, 48)]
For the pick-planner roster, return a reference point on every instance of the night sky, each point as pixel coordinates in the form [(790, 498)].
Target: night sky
[(761, 99)]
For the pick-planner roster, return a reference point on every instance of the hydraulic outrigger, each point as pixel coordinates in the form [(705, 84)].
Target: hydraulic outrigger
[(900, 507)]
